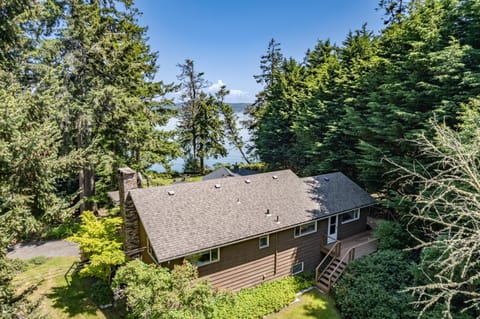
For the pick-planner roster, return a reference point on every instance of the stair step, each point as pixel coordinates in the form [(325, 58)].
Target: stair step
[(322, 287)]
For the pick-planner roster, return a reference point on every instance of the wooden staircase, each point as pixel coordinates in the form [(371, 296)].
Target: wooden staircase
[(331, 274), (334, 263)]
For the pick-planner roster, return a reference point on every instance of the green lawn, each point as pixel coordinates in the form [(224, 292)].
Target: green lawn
[(57, 298), (312, 305)]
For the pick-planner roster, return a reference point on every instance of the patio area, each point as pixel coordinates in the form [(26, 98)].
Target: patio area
[(362, 243)]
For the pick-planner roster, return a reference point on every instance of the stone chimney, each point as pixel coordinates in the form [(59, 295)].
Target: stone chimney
[(130, 229)]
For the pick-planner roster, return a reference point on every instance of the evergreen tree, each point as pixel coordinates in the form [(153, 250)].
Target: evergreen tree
[(205, 120), (112, 99), (270, 65), (230, 120), (275, 138)]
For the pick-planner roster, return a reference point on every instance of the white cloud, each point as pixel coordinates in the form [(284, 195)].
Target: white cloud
[(215, 86), (235, 96)]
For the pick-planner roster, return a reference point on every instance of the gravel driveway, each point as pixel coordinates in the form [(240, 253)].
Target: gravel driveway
[(52, 248)]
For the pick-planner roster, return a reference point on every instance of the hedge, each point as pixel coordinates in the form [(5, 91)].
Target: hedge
[(256, 302)]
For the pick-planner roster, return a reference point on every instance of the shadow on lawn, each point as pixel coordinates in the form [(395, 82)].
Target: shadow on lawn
[(74, 299)]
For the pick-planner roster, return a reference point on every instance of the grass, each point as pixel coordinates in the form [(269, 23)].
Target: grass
[(312, 305), (56, 297)]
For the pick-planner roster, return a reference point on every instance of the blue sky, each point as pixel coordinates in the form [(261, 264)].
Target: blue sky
[(226, 38)]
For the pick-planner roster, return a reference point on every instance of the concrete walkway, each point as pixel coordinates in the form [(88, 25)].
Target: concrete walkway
[(53, 248)]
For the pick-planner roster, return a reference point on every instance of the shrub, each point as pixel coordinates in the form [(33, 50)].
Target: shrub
[(99, 242), (39, 260), (262, 300), (370, 287), (63, 230), (157, 292), (391, 235), (101, 293)]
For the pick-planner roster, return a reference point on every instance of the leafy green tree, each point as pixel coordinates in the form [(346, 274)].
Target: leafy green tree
[(100, 245), (156, 292)]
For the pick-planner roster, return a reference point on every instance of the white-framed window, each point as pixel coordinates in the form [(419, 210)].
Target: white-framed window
[(351, 216), (297, 268), (205, 257), (305, 229), (264, 242)]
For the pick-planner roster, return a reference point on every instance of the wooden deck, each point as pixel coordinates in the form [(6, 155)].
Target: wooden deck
[(357, 240)]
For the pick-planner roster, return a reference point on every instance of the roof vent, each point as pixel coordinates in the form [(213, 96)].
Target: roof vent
[(247, 181), (218, 186), (275, 177), (238, 200), (278, 220), (326, 179), (171, 193), (268, 213)]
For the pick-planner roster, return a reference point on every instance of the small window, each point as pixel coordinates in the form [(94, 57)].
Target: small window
[(205, 257), (351, 216), (305, 229), (263, 242), (297, 268)]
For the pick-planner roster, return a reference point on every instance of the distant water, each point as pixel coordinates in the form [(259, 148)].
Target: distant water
[(232, 157)]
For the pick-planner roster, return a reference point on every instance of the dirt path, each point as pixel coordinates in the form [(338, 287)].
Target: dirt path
[(53, 248)]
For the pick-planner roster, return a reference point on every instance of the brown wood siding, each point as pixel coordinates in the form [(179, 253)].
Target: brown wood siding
[(244, 265), (143, 243), (352, 228)]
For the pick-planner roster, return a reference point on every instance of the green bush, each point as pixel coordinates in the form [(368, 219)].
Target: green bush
[(371, 287), (391, 235), (101, 293), (262, 300), (39, 260), (62, 231)]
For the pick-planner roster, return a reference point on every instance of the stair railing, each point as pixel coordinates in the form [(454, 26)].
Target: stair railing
[(349, 256), (333, 253)]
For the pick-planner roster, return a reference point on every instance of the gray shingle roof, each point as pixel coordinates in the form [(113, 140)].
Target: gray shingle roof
[(225, 172), (219, 173), (207, 214), (337, 193)]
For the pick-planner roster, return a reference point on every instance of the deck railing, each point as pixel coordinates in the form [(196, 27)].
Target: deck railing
[(347, 257), (333, 253)]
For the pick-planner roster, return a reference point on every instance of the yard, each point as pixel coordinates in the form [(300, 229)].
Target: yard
[(312, 305), (59, 299), (56, 298)]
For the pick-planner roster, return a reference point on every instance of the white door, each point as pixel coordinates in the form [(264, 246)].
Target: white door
[(332, 229)]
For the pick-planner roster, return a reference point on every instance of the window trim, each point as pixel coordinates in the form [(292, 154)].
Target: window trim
[(204, 263), (260, 242), (299, 263), (356, 216), (306, 233)]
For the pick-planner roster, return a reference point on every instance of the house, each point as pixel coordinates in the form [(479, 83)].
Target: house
[(241, 231), (225, 172)]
